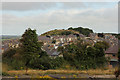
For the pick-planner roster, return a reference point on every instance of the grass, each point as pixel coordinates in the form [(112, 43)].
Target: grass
[(57, 32), (6, 71), (5, 67), (5, 74), (43, 72)]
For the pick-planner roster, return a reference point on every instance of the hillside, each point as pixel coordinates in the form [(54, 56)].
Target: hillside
[(60, 32), (79, 30)]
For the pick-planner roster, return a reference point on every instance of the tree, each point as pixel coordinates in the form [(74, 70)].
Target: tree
[(84, 31), (9, 53), (100, 35), (103, 44), (65, 33), (30, 46), (60, 49), (100, 55), (81, 55), (12, 58)]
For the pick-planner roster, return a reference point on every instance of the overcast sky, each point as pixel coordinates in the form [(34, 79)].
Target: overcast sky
[(46, 16)]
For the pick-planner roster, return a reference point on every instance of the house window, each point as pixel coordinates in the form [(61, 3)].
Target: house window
[(113, 55)]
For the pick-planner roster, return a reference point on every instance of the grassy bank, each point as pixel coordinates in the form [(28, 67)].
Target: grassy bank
[(7, 70), (43, 72)]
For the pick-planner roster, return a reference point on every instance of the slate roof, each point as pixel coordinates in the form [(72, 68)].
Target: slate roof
[(113, 49), (43, 38), (55, 53), (81, 35), (51, 51)]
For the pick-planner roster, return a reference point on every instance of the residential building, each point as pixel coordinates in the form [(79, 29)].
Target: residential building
[(112, 54)]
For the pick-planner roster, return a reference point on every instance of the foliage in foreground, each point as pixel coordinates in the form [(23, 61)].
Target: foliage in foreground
[(30, 54), (83, 56)]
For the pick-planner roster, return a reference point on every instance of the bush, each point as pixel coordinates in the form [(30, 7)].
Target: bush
[(66, 33), (82, 57), (13, 59), (5, 74), (9, 53), (57, 62)]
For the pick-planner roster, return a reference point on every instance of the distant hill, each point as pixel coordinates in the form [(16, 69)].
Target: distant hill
[(60, 32), (6, 37)]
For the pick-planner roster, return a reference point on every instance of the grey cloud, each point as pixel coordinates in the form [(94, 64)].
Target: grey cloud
[(100, 20), (25, 6), (78, 5), (68, 5)]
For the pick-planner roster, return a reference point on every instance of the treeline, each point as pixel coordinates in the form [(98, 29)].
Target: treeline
[(116, 35), (84, 31), (79, 55)]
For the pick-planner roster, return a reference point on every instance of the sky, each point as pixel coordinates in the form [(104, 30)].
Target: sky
[(46, 16)]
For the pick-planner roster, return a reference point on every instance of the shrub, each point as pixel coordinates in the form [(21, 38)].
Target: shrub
[(5, 74)]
